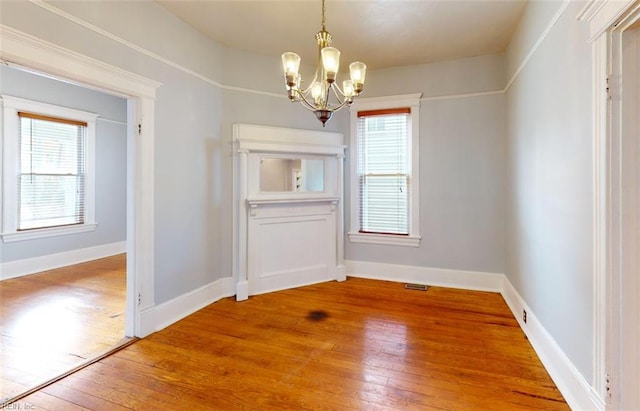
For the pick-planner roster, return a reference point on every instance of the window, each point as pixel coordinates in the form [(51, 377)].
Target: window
[(384, 171), (48, 170), (51, 172)]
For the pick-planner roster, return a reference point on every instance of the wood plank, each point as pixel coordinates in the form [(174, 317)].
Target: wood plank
[(52, 321), (48, 402), (359, 344)]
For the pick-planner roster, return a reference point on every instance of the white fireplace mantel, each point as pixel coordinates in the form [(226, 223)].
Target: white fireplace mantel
[(290, 237)]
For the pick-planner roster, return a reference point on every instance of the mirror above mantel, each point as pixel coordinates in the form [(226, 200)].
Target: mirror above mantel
[(291, 174)]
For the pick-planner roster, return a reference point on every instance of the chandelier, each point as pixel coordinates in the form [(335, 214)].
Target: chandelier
[(323, 86)]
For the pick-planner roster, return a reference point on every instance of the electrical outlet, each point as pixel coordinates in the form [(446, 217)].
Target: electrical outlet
[(524, 316)]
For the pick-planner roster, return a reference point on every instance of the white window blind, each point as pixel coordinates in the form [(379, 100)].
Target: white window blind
[(51, 179), (384, 170)]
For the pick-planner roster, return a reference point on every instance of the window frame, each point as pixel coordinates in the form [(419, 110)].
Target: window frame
[(11, 152), (381, 103)]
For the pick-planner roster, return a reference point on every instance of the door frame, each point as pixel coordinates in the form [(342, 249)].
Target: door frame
[(616, 220), (24, 51), (623, 353)]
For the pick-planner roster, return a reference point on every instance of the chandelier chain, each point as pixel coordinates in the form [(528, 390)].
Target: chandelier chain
[(324, 21)]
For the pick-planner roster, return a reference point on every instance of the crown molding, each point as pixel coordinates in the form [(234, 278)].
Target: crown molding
[(603, 14), (22, 49)]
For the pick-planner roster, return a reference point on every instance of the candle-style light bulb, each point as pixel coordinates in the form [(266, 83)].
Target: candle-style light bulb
[(331, 62), (316, 91), (347, 88), (358, 71), (290, 65)]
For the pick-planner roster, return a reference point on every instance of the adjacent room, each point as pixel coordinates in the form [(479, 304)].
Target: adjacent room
[(322, 204), (63, 283)]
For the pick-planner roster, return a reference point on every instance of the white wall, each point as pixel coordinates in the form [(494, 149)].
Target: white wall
[(462, 132), (549, 177), (111, 161)]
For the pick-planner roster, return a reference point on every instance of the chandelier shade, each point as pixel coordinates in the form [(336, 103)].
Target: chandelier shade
[(322, 95)]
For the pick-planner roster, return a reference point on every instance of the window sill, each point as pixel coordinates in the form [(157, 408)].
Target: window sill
[(385, 239), (47, 232)]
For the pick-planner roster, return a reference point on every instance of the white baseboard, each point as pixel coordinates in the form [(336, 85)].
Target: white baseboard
[(18, 268), (468, 280), (571, 383), (242, 290), (167, 313)]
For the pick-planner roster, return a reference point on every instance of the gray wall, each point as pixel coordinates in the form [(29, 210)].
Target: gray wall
[(193, 144), (461, 165), (193, 150), (188, 135), (111, 161), (549, 178)]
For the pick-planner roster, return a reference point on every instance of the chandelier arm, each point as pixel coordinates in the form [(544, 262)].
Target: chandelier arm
[(312, 107), (337, 92), (315, 78), (327, 94), (339, 106), (318, 74), (341, 100), (305, 102)]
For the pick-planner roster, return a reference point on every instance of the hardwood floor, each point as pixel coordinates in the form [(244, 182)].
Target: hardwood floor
[(359, 344), (52, 321)]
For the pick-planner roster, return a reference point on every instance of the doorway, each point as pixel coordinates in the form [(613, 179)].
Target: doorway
[(58, 307), (26, 52)]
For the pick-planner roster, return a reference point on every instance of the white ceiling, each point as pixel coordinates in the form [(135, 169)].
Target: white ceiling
[(381, 33)]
